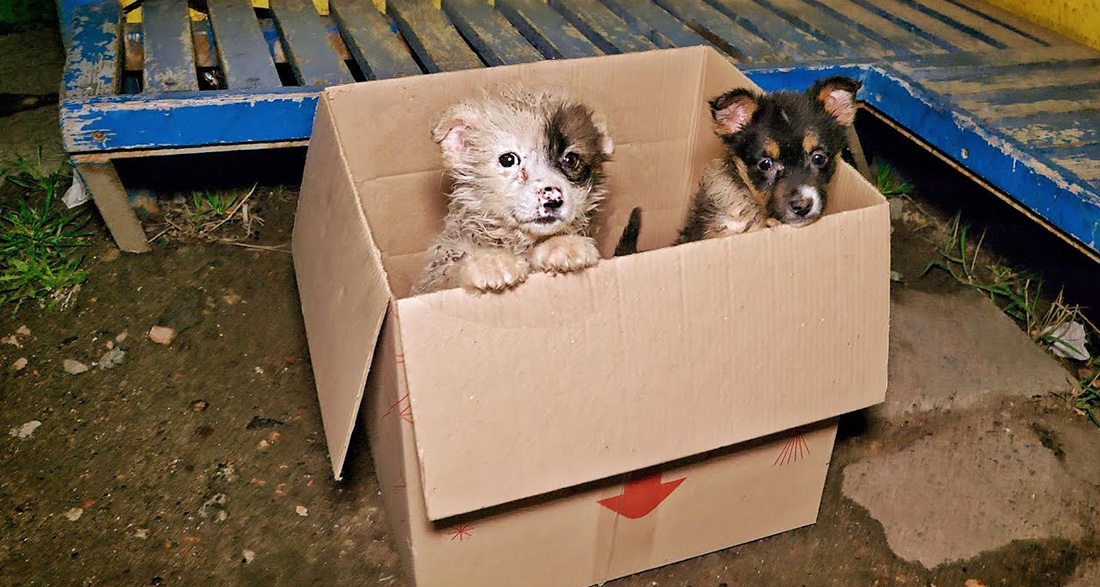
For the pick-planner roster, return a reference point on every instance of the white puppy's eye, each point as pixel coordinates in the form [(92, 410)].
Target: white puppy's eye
[(571, 161), (818, 159), (508, 159), (764, 164)]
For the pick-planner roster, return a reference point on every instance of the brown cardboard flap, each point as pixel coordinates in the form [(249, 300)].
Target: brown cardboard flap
[(646, 359), (341, 284)]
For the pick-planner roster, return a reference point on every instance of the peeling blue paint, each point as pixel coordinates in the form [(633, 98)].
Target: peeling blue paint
[(187, 119)]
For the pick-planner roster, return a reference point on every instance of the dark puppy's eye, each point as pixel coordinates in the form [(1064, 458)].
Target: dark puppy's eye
[(571, 161), (508, 159), (764, 164), (818, 159)]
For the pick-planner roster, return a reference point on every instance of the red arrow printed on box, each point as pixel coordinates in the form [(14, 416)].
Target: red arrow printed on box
[(640, 497)]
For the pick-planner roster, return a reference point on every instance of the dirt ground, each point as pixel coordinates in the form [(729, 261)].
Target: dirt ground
[(204, 462)]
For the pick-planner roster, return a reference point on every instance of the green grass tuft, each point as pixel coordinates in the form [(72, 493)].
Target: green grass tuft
[(888, 181), (38, 239)]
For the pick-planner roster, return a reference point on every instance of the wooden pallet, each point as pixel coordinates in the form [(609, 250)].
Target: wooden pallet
[(1013, 104)]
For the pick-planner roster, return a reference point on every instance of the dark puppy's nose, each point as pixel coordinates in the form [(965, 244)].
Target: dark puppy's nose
[(801, 206), (551, 198)]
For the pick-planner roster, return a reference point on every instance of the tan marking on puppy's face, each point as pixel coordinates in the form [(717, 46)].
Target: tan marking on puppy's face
[(771, 148), (810, 142)]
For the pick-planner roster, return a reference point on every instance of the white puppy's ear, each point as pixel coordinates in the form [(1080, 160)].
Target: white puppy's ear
[(451, 132)]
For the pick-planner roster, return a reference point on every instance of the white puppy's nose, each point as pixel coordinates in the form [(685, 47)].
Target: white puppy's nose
[(551, 199)]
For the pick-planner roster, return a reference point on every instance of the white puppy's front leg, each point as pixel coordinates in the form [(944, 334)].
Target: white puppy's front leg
[(563, 254), (492, 270)]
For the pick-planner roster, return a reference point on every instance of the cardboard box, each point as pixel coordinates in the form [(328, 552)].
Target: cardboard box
[(586, 426)]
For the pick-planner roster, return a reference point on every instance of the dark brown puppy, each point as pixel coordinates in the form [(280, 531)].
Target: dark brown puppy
[(782, 150)]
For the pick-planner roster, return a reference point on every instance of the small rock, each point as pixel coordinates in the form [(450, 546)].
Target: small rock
[(141, 533), (121, 336), (263, 444), (19, 364), (897, 208), (895, 276), (974, 583), (247, 556), (12, 341), (23, 330), (215, 508), (227, 471), (74, 367), (74, 514), (162, 335), (25, 430), (110, 254), (231, 298), (199, 405), (302, 511), (259, 370), (112, 358)]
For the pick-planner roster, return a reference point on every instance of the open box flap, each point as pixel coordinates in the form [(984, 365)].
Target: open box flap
[(627, 371), (341, 284)]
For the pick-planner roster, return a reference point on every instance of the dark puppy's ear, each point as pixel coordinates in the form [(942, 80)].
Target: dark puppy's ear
[(837, 96), (733, 110)]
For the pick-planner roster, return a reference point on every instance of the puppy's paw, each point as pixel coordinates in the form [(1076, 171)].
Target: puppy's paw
[(492, 270), (562, 254)]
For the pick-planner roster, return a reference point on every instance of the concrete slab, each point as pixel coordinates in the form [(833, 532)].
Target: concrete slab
[(972, 485), (950, 350)]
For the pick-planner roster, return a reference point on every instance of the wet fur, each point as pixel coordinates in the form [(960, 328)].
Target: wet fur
[(735, 195), (487, 244)]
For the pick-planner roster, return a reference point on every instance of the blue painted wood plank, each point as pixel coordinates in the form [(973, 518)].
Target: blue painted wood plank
[(432, 36), (547, 30), (66, 10), (861, 44), (902, 40), (1083, 160), (491, 35), (169, 54), (714, 26), (654, 23), (973, 66), (306, 44), (1019, 86), (216, 117), (997, 34), (1006, 105), (93, 64), (937, 30), (1040, 185), (1062, 129), (606, 30), (373, 40), (794, 40), (242, 49)]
